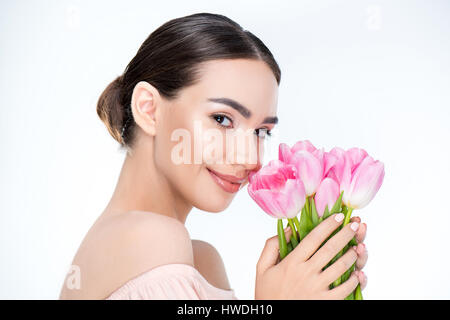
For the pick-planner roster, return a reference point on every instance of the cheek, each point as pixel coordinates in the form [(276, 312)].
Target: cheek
[(244, 148), (213, 145), (178, 156), (172, 149), (174, 138), (182, 150)]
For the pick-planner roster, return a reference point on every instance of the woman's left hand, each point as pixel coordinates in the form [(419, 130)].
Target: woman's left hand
[(361, 251)]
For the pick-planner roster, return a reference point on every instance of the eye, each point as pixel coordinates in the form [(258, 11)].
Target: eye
[(263, 132), (222, 120)]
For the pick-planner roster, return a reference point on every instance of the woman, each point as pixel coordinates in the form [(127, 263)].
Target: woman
[(198, 71)]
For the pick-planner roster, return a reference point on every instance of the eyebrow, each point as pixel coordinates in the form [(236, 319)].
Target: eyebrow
[(241, 109)]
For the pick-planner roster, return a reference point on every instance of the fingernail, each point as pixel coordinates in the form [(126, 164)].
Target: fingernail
[(354, 226), (339, 217), (287, 229), (354, 248)]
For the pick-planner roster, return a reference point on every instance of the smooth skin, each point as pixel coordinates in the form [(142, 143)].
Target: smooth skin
[(143, 225)]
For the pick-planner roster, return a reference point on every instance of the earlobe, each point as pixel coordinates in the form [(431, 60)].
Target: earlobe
[(144, 107)]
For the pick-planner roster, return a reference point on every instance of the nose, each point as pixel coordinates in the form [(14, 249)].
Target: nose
[(244, 150), (250, 169), (255, 168), (250, 156)]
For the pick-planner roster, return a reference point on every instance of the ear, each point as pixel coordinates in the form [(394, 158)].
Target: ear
[(144, 106)]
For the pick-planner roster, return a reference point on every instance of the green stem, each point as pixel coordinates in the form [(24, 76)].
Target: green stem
[(297, 224), (307, 207), (358, 293), (294, 231), (294, 237), (314, 215), (349, 272), (289, 247), (351, 296), (347, 216), (282, 239)]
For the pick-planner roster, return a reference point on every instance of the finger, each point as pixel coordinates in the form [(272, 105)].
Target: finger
[(337, 269), (362, 256), (270, 253), (362, 279), (355, 219), (333, 246), (344, 289), (314, 239), (361, 234)]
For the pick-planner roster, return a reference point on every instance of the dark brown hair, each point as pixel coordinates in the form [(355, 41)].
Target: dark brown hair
[(169, 59)]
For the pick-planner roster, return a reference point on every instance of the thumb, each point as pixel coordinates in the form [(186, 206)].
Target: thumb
[(270, 253)]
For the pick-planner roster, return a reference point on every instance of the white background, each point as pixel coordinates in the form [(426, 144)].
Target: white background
[(371, 74)]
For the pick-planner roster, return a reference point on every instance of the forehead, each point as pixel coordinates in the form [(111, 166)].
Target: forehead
[(249, 82)]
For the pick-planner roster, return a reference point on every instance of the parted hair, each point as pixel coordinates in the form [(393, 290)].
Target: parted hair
[(170, 59)]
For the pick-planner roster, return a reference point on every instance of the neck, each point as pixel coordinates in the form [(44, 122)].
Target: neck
[(142, 188)]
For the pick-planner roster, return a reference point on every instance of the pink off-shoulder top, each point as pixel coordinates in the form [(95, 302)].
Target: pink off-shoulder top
[(175, 281)]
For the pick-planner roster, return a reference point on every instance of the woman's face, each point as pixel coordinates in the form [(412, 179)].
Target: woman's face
[(214, 128)]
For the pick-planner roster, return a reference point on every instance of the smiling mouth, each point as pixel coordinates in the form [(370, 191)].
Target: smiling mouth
[(226, 184)]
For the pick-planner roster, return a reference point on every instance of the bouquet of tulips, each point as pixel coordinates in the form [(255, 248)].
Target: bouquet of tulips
[(316, 184)]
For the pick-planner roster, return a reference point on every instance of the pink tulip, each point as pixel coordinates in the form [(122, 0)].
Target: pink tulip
[(356, 155), (360, 181), (327, 194), (309, 169), (285, 153), (308, 160), (327, 159), (303, 145), (277, 189), (337, 168)]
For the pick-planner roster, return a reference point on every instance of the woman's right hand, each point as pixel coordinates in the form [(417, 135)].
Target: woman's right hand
[(299, 275)]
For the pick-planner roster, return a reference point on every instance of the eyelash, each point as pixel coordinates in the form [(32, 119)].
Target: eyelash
[(214, 116)]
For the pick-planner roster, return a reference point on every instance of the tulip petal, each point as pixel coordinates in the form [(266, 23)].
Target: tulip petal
[(277, 189), (337, 169), (329, 160), (309, 169), (356, 156), (366, 182), (327, 194), (305, 145), (284, 153)]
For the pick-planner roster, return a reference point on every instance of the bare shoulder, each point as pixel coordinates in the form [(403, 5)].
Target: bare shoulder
[(144, 230), (153, 237), (118, 249), (209, 263)]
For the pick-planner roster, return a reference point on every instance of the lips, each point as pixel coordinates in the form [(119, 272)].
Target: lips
[(228, 183)]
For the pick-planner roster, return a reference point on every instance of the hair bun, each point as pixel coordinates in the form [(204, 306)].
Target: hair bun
[(110, 109)]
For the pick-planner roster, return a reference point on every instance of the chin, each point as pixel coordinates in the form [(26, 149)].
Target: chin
[(212, 198), (213, 201), (208, 195)]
